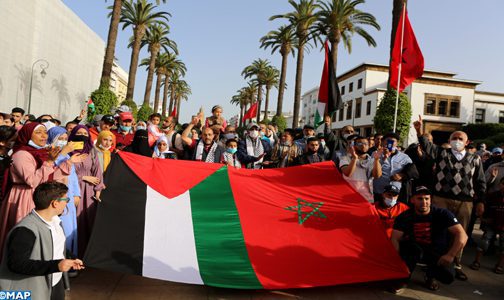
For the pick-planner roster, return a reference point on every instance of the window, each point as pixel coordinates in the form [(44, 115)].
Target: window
[(442, 105), (358, 107), (349, 110), (368, 108), (359, 84), (340, 117), (350, 87), (368, 131), (479, 116), (501, 116), (343, 90), (314, 101)]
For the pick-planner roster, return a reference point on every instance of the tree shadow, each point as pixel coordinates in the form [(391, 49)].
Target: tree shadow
[(60, 86), (1, 87), (24, 78), (81, 97)]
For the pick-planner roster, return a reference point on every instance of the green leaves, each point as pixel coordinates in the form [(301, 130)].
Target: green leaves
[(384, 118), (104, 100)]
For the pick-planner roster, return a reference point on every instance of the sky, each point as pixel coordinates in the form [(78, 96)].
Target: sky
[(217, 39)]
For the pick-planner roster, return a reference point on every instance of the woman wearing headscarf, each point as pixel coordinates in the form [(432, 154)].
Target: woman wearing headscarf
[(58, 138), (161, 149), (32, 164), (140, 144), (90, 177), (104, 142)]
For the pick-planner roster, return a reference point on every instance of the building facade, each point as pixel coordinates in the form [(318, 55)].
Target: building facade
[(444, 102), (118, 82), (49, 52)]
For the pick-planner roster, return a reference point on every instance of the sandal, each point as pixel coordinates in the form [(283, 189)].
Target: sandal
[(431, 284), (499, 270), (475, 265)]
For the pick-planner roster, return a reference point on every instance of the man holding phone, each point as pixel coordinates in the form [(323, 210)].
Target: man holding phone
[(393, 163)]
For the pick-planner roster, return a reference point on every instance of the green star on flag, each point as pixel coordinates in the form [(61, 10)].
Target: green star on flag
[(303, 203)]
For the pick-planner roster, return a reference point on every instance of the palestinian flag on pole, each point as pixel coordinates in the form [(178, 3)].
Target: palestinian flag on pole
[(329, 97), (202, 223)]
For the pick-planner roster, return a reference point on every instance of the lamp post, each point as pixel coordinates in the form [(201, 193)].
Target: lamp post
[(44, 64)]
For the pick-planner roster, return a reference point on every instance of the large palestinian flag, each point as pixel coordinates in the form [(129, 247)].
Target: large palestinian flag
[(202, 223)]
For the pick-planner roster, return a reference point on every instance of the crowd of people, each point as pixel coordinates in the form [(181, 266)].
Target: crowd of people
[(427, 196)]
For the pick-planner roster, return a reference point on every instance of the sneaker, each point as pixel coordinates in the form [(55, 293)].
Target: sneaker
[(460, 275)]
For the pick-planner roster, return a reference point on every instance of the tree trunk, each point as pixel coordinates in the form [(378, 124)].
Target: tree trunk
[(396, 14), (178, 107), (172, 98), (259, 98), (334, 54), (281, 88), (156, 95), (266, 103), (139, 32), (165, 95), (150, 74), (297, 89), (108, 60), (241, 116)]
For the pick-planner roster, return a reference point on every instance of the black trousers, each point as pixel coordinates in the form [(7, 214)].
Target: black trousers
[(412, 253), (58, 291)]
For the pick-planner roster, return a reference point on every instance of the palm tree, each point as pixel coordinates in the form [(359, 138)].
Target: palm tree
[(160, 62), (156, 38), (256, 70), (139, 15), (339, 20), (171, 64), (301, 21), (270, 80), (108, 61), (248, 95), (182, 92), (282, 40), (396, 14), (238, 100)]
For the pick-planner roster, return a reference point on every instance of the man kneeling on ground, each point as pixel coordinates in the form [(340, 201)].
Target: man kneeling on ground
[(422, 235)]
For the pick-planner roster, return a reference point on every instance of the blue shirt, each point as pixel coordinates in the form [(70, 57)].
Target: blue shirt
[(392, 165)]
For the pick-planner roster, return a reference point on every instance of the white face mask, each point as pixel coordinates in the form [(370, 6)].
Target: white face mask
[(457, 145), (254, 134), (322, 143), (141, 128), (346, 135), (390, 202), (229, 136), (104, 148), (60, 144)]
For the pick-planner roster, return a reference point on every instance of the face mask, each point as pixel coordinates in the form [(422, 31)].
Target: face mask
[(322, 143), (457, 145), (262, 133), (231, 150), (229, 136), (80, 138), (105, 148), (32, 143), (254, 134), (60, 144), (346, 135), (141, 128), (286, 143), (125, 128), (390, 202)]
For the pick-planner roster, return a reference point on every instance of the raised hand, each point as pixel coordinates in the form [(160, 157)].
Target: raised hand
[(78, 158), (418, 124)]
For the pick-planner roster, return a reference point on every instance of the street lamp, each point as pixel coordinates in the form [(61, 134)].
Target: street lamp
[(44, 64)]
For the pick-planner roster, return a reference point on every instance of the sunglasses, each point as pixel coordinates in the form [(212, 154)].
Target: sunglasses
[(63, 199), (46, 120)]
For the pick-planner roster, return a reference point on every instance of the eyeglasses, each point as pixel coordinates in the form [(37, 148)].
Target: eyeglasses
[(46, 120), (63, 199), (361, 144)]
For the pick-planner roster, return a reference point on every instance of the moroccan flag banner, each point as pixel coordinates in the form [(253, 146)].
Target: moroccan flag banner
[(199, 223), (407, 62), (174, 112), (251, 112), (329, 97)]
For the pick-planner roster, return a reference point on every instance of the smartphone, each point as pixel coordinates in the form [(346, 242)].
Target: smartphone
[(78, 145), (390, 145)]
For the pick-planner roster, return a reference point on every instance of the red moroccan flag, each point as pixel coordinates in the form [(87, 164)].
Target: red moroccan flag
[(251, 113), (408, 58), (174, 112)]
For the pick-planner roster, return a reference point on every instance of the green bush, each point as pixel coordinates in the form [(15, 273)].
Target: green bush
[(483, 131), (132, 105), (280, 122), (384, 118), (104, 100), (144, 112), (490, 144)]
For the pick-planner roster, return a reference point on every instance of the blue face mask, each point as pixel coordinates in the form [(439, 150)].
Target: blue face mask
[(125, 128), (231, 150)]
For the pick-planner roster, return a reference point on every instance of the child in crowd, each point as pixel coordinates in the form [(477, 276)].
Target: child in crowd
[(216, 120), (153, 127), (161, 149), (229, 157)]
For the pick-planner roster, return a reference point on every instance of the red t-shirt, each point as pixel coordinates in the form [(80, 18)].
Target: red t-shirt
[(126, 140), (388, 215)]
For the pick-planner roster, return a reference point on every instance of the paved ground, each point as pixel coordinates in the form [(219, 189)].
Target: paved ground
[(96, 285)]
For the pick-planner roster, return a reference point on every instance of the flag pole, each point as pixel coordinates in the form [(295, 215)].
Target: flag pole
[(400, 67)]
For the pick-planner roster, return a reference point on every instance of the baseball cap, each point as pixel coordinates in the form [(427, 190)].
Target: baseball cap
[(391, 189), (252, 124), (97, 118), (126, 116), (497, 150), (109, 119), (422, 190), (124, 108), (308, 126)]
